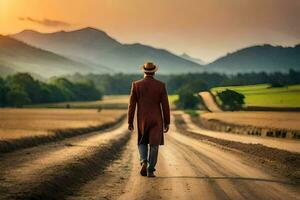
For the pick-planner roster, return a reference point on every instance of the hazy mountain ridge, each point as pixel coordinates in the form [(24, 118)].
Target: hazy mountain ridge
[(19, 56), (101, 50), (103, 54), (6, 69), (196, 60), (258, 58)]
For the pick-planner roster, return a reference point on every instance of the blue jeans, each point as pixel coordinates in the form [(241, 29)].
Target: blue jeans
[(152, 160)]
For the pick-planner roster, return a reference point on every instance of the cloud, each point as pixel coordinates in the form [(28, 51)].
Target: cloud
[(46, 22)]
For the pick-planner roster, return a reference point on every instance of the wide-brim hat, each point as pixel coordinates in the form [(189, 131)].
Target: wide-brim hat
[(149, 67)]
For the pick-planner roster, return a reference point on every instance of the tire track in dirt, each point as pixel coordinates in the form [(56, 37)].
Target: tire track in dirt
[(192, 169), (11, 145), (109, 184), (239, 189), (60, 170), (277, 159), (238, 173), (188, 168)]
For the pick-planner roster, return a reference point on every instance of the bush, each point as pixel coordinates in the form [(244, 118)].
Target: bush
[(276, 85), (231, 100), (187, 100), (192, 113)]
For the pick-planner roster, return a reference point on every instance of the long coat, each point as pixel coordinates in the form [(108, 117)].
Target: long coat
[(153, 110)]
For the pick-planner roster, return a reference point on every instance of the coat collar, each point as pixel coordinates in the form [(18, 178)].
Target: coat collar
[(149, 76)]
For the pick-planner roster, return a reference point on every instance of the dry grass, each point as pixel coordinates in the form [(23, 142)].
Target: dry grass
[(279, 120), (19, 123)]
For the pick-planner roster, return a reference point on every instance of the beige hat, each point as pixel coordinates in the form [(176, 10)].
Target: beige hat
[(149, 67)]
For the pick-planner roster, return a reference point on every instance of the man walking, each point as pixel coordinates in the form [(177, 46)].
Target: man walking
[(153, 116)]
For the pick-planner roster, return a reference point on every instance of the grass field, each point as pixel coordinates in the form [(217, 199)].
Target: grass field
[(108, 102), (172, 99), (264, 96), (16, 123)]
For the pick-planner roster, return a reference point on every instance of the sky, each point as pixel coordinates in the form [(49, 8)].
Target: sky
[(205, 29)]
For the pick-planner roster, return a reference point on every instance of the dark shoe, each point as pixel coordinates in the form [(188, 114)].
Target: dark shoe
[(151, 175), (143, 171)]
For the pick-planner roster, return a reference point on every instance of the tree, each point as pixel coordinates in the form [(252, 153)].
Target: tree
[(25, 83), (293, 77), (82, 91), (187, 100), (231, 100), (86, 91), (56, 94), (17, 98), (66, 87), (3, 91)]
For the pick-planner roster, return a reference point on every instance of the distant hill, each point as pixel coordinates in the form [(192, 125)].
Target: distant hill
[(265, 58), (5, 69), (103, 54), (196, 60), (97, 49), (18, 56)]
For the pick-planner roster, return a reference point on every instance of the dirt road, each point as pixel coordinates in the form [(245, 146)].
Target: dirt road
[(52, 171), (190, 169), (279, 143), (209, 102), (187, 169)]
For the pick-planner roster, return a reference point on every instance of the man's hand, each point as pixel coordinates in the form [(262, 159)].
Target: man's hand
[(130, 127), (166, 129)]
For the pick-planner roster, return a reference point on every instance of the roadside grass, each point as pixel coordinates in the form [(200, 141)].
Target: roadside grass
[(263, 95), (192, 113)]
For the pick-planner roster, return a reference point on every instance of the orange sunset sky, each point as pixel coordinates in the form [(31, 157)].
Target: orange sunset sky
[(205, 29)]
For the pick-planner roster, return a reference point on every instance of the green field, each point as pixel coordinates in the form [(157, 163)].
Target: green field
[(108, 102), (173, 98), (264, 96)]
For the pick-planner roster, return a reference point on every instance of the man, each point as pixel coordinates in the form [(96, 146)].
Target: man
[(153, 116)]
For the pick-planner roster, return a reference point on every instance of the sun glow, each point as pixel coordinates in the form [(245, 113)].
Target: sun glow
[(7, 9), (5, 6), (191, 26)]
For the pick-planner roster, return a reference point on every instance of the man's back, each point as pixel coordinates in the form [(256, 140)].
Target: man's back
[(153, 116), (153, 110), (149, 93)]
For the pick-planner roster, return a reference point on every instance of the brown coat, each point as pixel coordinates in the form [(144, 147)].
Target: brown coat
[(153, 110)]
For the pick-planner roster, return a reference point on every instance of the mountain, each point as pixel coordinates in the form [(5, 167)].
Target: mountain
[(103, 54), (259, 58), (196, 60), (18, 56), (98, 50), (5, 69)]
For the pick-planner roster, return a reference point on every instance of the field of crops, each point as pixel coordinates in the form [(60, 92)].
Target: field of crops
[(265, 96), (16, 123), (280, 120)]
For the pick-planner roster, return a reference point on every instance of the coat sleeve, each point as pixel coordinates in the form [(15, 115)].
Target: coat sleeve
[(165, 106), (132, 104)]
